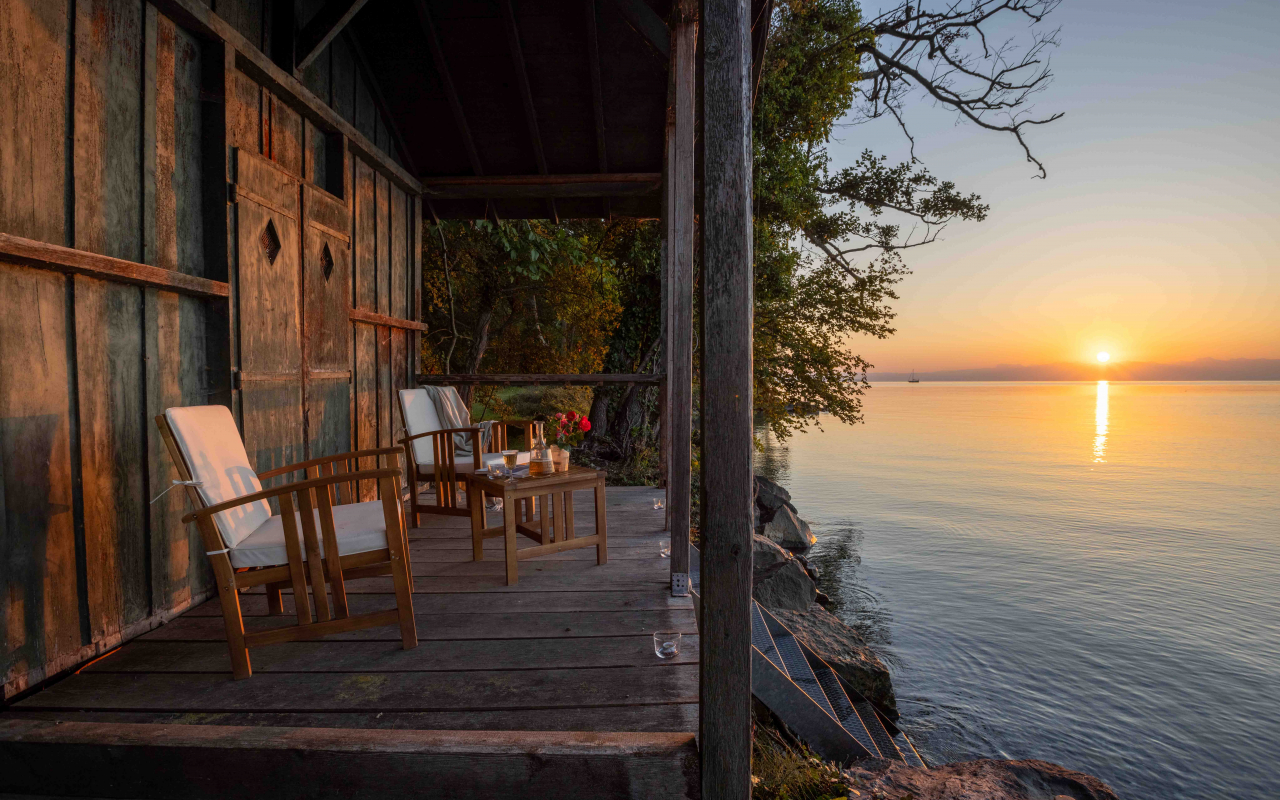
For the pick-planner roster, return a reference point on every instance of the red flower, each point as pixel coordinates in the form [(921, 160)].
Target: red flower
[(571, 415), (586, 424)]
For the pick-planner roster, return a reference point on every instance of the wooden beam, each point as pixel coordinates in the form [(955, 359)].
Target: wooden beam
[(526, 94), (678, 232), (597, 89), (323, 28), (359, 315), (380, 101), (527, 379), (647, 23), (517, 186), (196, 17), (18, 250), (446, 78), (725, 620)]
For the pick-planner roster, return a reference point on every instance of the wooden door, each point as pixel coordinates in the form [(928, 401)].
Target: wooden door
[(326, 282), (267, 307)]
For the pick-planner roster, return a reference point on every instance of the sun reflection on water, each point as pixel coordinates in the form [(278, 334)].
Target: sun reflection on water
[(1100, 413)]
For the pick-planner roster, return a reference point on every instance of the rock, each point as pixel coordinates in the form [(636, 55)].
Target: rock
[(784, 586), (845, 650), (770, 497), (984, 779), (765, 553), (788, 530)]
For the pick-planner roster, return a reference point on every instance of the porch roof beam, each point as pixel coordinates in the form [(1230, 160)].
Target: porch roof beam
[(541, 186), (597, 90), (446, 79), (648, 24), (526, 94), (323, 28)]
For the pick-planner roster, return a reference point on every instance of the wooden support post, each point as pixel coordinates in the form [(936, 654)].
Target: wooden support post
[(725, 622), (678, 231)]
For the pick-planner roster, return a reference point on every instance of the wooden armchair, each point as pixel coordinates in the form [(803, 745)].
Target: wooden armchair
[(320, 535), (432, 453)]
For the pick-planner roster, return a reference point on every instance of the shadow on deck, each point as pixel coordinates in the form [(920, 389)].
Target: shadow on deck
[(547, 688)]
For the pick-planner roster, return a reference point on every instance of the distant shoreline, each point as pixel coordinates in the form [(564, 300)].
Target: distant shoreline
[(1204, 369)]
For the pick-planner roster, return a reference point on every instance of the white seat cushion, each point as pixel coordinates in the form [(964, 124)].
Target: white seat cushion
[(360, 528), (420, 416), (210, 443)]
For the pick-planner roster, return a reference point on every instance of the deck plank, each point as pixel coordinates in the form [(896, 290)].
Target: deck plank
[(376, 692), (568, 648)]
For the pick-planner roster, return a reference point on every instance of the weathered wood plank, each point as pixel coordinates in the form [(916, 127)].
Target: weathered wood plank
[(39, 602), (516, 625), (196, 762), (286, 137), (108, 127), (188, 151), (358, 315), (367, 657), (427, 606), (726, 401), (34, 39), (365, 239), (109, 364), (366, 398), (382, 234), (388, 691), (640, 719), (679, 233), (399, 283), (174, 338), (16, 250)]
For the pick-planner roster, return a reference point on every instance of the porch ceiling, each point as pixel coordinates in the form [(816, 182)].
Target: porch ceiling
[(422, 51)]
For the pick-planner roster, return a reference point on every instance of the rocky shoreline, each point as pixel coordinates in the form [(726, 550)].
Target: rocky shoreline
[(786, 583)]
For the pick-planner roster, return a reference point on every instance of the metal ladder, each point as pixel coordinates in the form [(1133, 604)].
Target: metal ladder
[(830, 716)]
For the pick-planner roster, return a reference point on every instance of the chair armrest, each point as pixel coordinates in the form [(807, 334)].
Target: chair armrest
[(289, 488), (472, 431), (315, 462)]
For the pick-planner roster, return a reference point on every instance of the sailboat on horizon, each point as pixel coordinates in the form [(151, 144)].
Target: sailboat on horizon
[(913, 378)]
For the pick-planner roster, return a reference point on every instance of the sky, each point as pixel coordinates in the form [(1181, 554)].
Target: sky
[(1156, 236)]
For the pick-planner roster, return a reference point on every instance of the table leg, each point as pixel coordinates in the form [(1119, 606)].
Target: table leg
[(568, 515), (513, 566), (477, 529), (602, 549), (545, 519)]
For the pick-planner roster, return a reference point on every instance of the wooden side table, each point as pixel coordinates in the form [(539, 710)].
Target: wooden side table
[(555, 517)]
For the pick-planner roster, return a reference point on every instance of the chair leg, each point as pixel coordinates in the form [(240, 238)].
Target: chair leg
[(478, 523), (230, 599), (401, 572), (275, 603)]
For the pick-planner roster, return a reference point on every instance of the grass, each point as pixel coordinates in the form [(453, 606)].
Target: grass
[(783, 771)]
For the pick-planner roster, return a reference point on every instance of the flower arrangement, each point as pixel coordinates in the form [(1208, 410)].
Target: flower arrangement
[(568, 428)]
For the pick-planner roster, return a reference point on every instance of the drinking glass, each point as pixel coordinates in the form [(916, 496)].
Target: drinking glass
[(664, 549), (509, 460), (666, 644)]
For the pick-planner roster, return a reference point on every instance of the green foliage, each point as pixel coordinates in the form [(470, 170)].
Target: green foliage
[(827, 246)]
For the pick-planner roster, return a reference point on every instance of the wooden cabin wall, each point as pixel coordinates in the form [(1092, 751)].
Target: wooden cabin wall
[(115, 139)]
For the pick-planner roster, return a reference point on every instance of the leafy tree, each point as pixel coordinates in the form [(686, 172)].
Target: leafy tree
[(828, 243)]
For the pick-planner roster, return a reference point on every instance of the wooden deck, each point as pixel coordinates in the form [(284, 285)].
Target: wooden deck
[(481, 706)]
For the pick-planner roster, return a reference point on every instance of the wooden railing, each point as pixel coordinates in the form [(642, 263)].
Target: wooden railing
[(655, 378)]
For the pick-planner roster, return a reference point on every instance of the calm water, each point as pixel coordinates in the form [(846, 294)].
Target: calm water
[(1084, 573)]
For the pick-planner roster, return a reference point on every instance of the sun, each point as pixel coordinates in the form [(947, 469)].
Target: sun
[(1104, 358)]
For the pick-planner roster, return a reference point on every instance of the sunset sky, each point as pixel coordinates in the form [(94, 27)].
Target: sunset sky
[(1157, 234)]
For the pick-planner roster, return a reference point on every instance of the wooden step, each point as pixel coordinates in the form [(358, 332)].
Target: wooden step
[(195, 762)]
